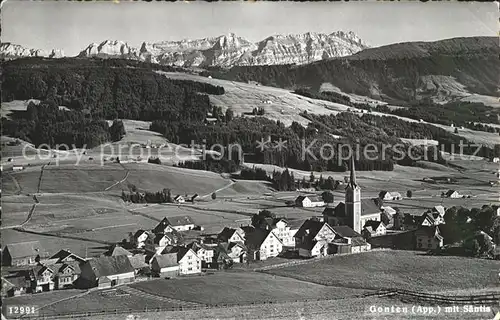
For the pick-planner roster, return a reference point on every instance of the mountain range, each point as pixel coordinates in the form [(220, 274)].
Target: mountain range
[(223, 51)]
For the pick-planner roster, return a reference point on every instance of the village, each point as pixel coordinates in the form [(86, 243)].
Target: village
[(177, 247)]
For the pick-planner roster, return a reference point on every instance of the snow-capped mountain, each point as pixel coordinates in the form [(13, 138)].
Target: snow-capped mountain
[(14, 51), (231, 50)]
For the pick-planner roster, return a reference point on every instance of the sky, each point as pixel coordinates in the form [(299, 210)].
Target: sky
[(72, 26)]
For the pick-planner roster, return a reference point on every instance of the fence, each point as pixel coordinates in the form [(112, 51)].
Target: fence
[(480, 299)]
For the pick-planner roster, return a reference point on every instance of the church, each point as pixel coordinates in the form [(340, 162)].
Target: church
[(354, 212)]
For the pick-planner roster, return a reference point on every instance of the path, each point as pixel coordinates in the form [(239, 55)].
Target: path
[(220, 189), (16, 183), (118, 182)]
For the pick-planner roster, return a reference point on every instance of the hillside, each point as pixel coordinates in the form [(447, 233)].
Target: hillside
[(450, 69)]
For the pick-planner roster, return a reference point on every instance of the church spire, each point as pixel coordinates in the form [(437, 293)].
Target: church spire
[(352, 181)]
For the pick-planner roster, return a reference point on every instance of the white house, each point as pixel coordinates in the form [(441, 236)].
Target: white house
[(452, 194), (263, 244), (390, 196), (178, 223), (231, 235), (375, 228), (309, 202), (188, 260), (205, 252), (141, 237), (495, 160), (17, 168), (179, 199), (285, 230)]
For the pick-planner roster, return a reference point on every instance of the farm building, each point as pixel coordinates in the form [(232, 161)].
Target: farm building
[(347, 241), (179, 199), (165, 265), (188, 261), (15, 286), (41, 279), (178, 223), (390, 196), (231, 235), (65, 274), (115, 251), (22, 254), (141, 238), (162, 240), (375, 228), (452, 194), (263, 244), (313, 237), (138, 262), (236, 251), (205, 252), (17, 168), (427, 238), (309, 202), (63, 256), (105, 272)]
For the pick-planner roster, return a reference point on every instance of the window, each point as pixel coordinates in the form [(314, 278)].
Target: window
[(189, 269), (189, 257)]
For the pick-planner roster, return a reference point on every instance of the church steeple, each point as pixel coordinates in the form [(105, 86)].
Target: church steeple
[(353, 200), (352, 181)]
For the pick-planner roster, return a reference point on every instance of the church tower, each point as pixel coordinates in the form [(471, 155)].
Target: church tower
[(353, 201)]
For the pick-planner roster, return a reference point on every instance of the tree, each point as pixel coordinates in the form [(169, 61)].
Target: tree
[(117, 130), (409, 194), (259, 220), (311, 178), (229, 115), (327, 197), (214, 196), (475, 248)]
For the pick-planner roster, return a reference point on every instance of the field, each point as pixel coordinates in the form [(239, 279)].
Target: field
[(397, 269), (241, 288)]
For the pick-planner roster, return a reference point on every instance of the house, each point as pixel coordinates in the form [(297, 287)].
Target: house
[(390, 196), (263, 244), (236, 251), (22, 254), (309, 202), (63, 256), (179, 199), (428, 237), (165, 265), (439, 209), (231, 235), (188, 260), (41, 279), (117, 251), (285, 230), (17, 168), (167, 239), (205, 252), (141, 238), (452, 194), (347, 241), (375, 228), (178, 223), (15, 285), (495, 160), (105, 272), (65, 274), (313, 237)]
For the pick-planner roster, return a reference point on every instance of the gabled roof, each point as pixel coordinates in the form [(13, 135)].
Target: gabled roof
[(300, 198), (179, 250), (17, 281), (106, 266), (226, 234), (174, 236), (178, 197), (256, 238), (309, 228), (65, 254), (196, 246), (24, 249), (174, 222), (373, 224), (60, 267), (138, 261), (166, 260), (338, 211), (117, 251), (439, 209), (295, 223), (450, 192), (368, 206), (345, 232)]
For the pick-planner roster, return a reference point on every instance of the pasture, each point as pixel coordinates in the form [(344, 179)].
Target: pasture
[(397, 269), (234, 287)]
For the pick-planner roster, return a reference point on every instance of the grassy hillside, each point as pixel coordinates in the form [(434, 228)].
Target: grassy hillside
[(393, 73)]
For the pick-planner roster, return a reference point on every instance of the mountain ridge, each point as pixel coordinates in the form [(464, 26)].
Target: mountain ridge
[(225, 50)]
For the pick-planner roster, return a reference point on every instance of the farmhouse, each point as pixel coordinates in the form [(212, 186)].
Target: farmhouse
[(347, 241), (22, 254), (17, 168), (390, 196), (374, 228), (141, 238), (165, 265), (105, 272), (178, 223), (138, 262), (231, 235), (263, 244), (179, 199), (167, 239), (309, 202), (452, 194), (115, 251), (205, 252), (189, 262), (427, 238), (41, 279), (65, 274), (313, 237), (236, 251)]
